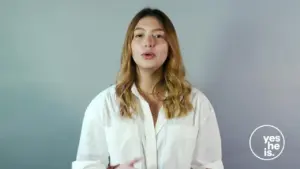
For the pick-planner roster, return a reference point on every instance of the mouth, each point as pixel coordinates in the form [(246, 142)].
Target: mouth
[(148, 55)]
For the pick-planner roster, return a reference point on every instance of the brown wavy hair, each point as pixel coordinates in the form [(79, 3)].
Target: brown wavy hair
[(177, 101)]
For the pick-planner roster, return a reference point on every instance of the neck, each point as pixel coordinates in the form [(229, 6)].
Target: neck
[(146, 80)]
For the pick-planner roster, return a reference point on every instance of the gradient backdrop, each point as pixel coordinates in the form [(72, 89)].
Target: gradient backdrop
[(56, 55)]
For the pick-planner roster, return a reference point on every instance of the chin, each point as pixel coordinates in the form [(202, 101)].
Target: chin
[(148, 67)]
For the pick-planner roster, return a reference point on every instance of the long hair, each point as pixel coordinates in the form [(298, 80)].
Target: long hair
[(177, 101)]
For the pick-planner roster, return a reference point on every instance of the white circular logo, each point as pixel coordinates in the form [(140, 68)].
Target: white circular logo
[(266, 142)]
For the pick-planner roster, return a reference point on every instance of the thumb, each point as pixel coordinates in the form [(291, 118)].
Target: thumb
[(131, 163)]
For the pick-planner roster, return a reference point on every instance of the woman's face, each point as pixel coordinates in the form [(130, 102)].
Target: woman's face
[(149, 46)]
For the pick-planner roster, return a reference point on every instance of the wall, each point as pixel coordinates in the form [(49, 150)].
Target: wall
[(55, 56)]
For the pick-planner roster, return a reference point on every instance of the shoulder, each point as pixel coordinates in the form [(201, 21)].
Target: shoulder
[(200, 100), (104, 97), (101, 105), (198, 95), (106, 93), (201, 103)]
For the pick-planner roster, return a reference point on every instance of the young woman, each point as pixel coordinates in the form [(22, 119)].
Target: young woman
[(152, 118)]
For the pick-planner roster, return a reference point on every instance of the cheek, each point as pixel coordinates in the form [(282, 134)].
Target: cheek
[(133, 47), (163, 54), (135, 52), (163, 51)]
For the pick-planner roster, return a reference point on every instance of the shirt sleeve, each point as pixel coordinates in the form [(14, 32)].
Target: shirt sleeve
[(92, 150), (208, 151)]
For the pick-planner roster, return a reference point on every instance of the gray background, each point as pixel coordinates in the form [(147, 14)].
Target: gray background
[(57, 55)]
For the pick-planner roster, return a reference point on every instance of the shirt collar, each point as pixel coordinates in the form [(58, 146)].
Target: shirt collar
[(135, 91)]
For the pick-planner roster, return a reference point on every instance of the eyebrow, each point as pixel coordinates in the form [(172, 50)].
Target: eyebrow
[(156, 29)]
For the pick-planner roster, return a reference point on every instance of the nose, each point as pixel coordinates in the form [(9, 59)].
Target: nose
[(149, 42)]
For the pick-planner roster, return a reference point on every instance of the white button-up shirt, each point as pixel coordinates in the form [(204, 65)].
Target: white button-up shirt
[(188, 142)]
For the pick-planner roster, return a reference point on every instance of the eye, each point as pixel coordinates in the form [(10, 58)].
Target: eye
[(158, 36), (138, 35)]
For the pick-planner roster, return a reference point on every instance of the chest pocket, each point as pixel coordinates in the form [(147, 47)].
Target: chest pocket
[(181, 141), (123, 142)]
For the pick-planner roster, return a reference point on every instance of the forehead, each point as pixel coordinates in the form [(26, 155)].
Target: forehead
[(149, 23)]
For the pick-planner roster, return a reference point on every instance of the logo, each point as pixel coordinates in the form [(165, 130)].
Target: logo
[(266, 142)]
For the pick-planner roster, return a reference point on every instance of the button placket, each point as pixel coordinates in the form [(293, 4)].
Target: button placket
[(150, 137)]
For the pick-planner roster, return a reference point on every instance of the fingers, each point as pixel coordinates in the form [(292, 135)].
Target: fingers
[(113, 167), (125, 167), (131, 163)]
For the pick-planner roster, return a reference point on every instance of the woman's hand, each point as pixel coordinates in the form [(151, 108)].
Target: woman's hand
[(129, 165)]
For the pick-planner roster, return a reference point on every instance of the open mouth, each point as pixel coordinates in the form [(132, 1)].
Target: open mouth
[(148, 55)]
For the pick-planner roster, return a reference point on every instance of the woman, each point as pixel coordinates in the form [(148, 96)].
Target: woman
[(152, 118)]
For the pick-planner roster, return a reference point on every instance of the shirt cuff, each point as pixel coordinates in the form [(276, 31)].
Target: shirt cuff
[(88, 165)]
